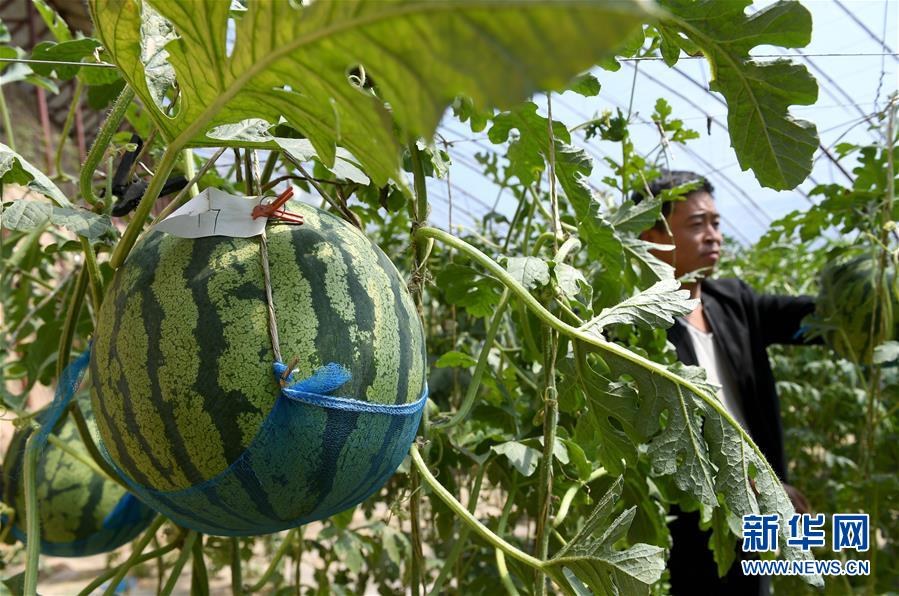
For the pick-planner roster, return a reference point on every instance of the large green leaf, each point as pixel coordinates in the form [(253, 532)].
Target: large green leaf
[(777, 147), (704, 453), (293, 62)]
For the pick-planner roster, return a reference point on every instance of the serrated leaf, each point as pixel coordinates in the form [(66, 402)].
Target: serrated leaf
[(527, 151), (523, 458), (636, 217), (701, 451), (531, 272), (14, 168), (654, 269), (292, 61), (654, 307), (610, 417), (455, 359), (595, 562), (766, 138)]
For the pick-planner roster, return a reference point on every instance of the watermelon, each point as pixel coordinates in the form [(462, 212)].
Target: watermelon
[(188, 404), (847, 305), (81, 513)]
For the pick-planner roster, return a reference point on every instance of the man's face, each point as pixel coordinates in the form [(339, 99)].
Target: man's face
[(695, 234)]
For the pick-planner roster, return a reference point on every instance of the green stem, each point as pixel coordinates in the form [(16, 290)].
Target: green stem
[(466, 517), (418, 561), (269, 168), (132, 560), (462, 541), (190, 170), (186, 551), (163, 169), (154, 554), (471, 392), (273, 564), (590, 339), (67, 125), (199, 581), (421, 251), (68, 327), (104, 138), (545, 482), (236, 572), (93, 274), (32, 517), (7, 123)]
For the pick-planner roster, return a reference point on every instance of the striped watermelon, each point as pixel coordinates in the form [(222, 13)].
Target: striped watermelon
[(188, 405), (81, 513), (847, 305)]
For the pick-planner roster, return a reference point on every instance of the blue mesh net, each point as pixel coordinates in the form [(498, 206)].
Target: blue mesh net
[(315, 455)]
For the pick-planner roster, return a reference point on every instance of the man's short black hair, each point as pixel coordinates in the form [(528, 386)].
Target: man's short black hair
[(671, 179)]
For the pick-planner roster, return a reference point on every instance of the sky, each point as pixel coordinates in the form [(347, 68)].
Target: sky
[(850, 88)]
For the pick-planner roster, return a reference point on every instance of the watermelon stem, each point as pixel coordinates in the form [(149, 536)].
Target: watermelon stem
[(154, 554), (132, 560), (104, 138), (468, 518), (32, 517), (186, 552), (276, 559)]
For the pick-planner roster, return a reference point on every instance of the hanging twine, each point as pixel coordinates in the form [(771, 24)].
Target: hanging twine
[(270, 302)]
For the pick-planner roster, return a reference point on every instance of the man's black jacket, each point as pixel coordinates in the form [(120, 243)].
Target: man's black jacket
[(743, 324)]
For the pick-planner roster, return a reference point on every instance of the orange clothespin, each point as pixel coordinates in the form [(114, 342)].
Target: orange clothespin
[(273, 209)]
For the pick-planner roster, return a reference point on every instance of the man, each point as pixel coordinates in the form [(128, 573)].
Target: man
[(727, 335)]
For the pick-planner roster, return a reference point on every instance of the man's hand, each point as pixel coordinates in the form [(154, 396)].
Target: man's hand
[(800, 503)]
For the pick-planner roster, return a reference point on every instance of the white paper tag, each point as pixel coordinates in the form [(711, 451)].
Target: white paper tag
[(215, 213)]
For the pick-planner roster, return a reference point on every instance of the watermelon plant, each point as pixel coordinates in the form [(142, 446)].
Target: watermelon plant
[(555, 411)]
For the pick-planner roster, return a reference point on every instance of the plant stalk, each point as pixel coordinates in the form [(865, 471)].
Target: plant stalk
[(545, 482), (199, 578), (163, 169), (462, 541), (32, 517), (236, 572), (154, 554), (67, 125), (186, 551), (68, 327), (276, 559), (7, 123), (104, 137), (466, 517), (132, 560)]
